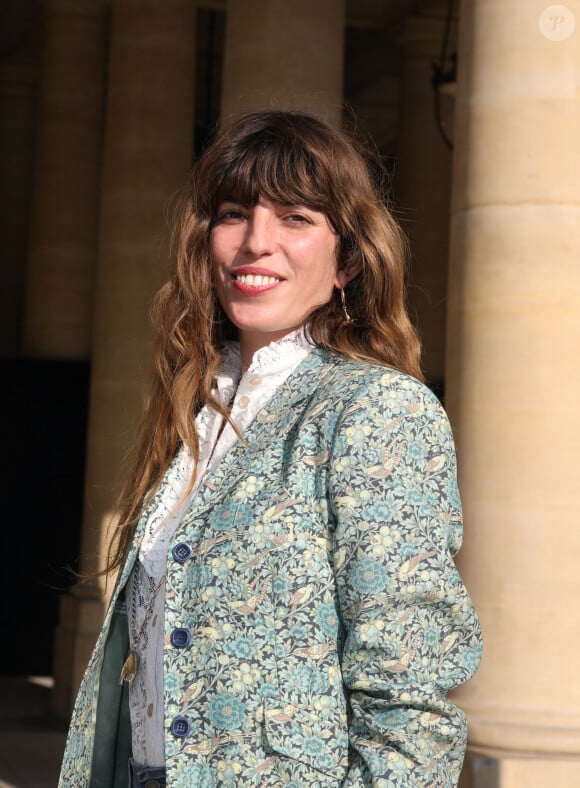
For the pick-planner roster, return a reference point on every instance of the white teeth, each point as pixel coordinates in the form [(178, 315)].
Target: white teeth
[(256, 279)]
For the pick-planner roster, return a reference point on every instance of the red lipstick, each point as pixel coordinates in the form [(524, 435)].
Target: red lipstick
[(253, 280)]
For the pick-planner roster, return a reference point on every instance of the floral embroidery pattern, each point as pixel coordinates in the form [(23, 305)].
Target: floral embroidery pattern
[(327, 619)]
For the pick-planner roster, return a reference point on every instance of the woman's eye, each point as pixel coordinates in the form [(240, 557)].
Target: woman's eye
[(298, 218), (229, 216)]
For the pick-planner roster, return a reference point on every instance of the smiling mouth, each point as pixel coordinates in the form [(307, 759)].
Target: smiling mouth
[(256, 280)]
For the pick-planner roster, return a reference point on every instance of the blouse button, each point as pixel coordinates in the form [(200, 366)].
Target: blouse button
[(181, 638), (180, 727), (181, 552), (244, 401)]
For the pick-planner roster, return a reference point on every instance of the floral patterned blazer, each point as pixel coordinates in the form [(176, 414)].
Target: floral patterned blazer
[(314, 618)]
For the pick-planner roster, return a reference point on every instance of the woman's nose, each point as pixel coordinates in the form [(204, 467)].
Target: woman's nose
[(260, 237)]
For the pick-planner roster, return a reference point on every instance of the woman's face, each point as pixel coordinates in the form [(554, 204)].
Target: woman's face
[(273, 265)]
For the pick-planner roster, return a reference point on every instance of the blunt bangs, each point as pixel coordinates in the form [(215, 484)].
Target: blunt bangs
[(275, 165)]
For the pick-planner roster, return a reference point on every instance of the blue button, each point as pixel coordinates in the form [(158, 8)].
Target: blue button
[(181, 638), (181, 552), (180, 727)]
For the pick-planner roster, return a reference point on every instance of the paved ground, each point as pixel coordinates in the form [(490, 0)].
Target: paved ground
[(31, 740)]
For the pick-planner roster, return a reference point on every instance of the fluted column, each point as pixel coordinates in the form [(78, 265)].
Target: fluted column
[(423, 187), (281, 55), (63, 226), (514, 385), (147, 156)]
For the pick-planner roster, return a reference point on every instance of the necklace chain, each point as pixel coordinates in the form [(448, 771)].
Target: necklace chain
[(131, 664)]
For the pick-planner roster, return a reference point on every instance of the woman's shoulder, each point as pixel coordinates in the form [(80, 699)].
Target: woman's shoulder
[(356, 380), (385, 401)]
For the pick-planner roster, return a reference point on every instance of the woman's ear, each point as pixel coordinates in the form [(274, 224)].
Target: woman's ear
[(349, 262), (344, 275)]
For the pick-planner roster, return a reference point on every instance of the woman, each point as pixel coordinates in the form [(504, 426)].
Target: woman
[(287, 610)]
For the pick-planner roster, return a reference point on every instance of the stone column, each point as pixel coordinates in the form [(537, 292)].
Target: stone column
[(423, 187), (514, 383), (281, 55), (63, 226), (18, 93), (147, 156)]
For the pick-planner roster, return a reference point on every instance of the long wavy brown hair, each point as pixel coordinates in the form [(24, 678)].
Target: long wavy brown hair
[(294, 159)]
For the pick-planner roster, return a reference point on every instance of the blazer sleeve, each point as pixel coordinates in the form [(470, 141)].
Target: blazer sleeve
[(411, 633)]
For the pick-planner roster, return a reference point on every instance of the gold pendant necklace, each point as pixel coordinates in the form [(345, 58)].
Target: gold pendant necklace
[(131, 664), (129, 670)]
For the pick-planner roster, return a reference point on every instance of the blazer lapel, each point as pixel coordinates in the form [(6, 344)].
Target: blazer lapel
[(274, 421)]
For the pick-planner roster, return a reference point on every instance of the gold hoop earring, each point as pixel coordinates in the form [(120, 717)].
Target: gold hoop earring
[(347, 317)]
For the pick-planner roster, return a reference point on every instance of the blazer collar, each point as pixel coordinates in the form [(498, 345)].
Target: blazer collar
[(274, 420)]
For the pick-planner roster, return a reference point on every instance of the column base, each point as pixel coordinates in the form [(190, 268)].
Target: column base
[(81, 615), (496, 769)]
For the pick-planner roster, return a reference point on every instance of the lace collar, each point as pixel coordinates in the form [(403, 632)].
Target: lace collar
[(268, 361)]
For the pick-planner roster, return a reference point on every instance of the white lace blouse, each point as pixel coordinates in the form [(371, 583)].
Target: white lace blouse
[(270, 367)]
